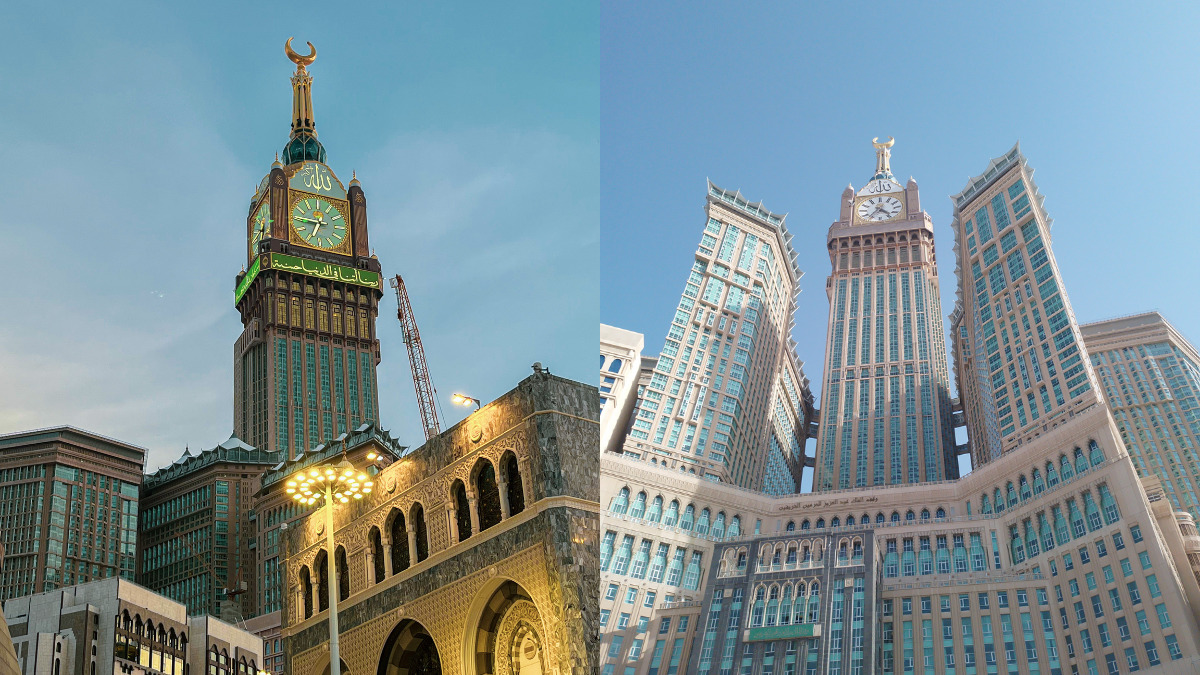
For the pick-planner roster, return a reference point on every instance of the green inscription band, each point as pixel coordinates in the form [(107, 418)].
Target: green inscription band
[(798, 630), (245, 283), (311, 268)]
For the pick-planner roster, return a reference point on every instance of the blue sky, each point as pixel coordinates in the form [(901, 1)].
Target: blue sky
[(134, 136), (781, 100)]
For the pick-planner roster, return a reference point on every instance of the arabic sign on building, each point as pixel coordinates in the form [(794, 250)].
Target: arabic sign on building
[(312, 268), (797, 630)]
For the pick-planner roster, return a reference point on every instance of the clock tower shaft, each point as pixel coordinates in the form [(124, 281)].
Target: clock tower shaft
[(305, 363), (886, 415)]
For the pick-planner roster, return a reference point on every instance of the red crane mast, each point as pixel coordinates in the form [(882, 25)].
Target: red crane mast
[(426, 394)]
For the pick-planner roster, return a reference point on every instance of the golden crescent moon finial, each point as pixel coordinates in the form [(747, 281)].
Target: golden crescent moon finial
[(300, 59), (890, 142)]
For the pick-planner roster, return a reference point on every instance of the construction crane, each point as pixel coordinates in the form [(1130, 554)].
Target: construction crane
[(426, 394)]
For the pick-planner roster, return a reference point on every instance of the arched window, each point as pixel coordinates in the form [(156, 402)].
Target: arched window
[(516, 490), (620, 503), (462, 509), (1026, 493), (849, 521), (307, 587), (689, 516), (718, 528), (654, 514), (672, 513), (790, 527), (321, 566), (1065, 467), (836, 522), (615, 366), (879, 518), (804, 524), (735, 526), (1097, 455), (909, 515), (820, 523), (377, 554), (398, 533), (487, 494), (418, 524), (1081, 462), (895, 516), (924, 514), (343, 573), (703, 522), (940, 513), (639, 505)]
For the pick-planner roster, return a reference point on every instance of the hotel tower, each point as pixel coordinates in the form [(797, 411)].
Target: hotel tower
[(886, 412), (728, 400)]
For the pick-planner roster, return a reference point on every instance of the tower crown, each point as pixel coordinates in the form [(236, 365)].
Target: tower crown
[(883, 159), (302, 145)]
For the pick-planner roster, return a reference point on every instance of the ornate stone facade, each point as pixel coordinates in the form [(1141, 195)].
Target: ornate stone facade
[(505, 588)]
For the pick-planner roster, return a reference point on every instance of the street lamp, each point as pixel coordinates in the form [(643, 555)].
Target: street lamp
[(339, 482), (463, 399)]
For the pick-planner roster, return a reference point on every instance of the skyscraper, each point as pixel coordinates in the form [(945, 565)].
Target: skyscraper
[(68, 508), (1150, 376), (886, 411), (1023, 368), (728, 400), (196, 530), (304, 365)]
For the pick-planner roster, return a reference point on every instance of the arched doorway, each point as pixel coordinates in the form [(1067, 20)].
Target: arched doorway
[(409, 650), (508, 637)]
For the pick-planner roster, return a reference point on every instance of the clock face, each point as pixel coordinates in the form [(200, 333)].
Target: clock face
[(319, 222), (260, 227), (879, 208)]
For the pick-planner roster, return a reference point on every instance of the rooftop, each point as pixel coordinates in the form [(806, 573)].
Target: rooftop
[(67, 433), (233, 450)]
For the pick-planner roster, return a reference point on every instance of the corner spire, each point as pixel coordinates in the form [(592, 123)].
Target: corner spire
[(883, 158), (302, 144)]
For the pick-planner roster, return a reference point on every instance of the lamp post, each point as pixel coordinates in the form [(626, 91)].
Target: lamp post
[(463, 399), (340, 482)]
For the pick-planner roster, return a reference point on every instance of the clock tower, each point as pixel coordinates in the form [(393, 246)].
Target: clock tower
[(304, 365), (886, 418)]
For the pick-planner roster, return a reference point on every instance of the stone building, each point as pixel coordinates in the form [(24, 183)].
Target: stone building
[(116, 626), (475, 553)]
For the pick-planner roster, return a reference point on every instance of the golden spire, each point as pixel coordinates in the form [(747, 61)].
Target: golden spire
[(302, 107), (883, 155)]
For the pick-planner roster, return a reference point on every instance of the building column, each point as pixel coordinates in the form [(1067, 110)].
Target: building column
[(316, 596), (472, 505), (453, 512), (526, 481), (387, 557), (412, 547), (502, 485), (370, 556)]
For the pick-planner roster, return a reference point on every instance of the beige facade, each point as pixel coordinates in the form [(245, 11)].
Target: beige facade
[(956, 513), (728, 378), (886, 416), (620, 369), (114, 626), (1150, 376), (1050, 556), (474, 554)]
